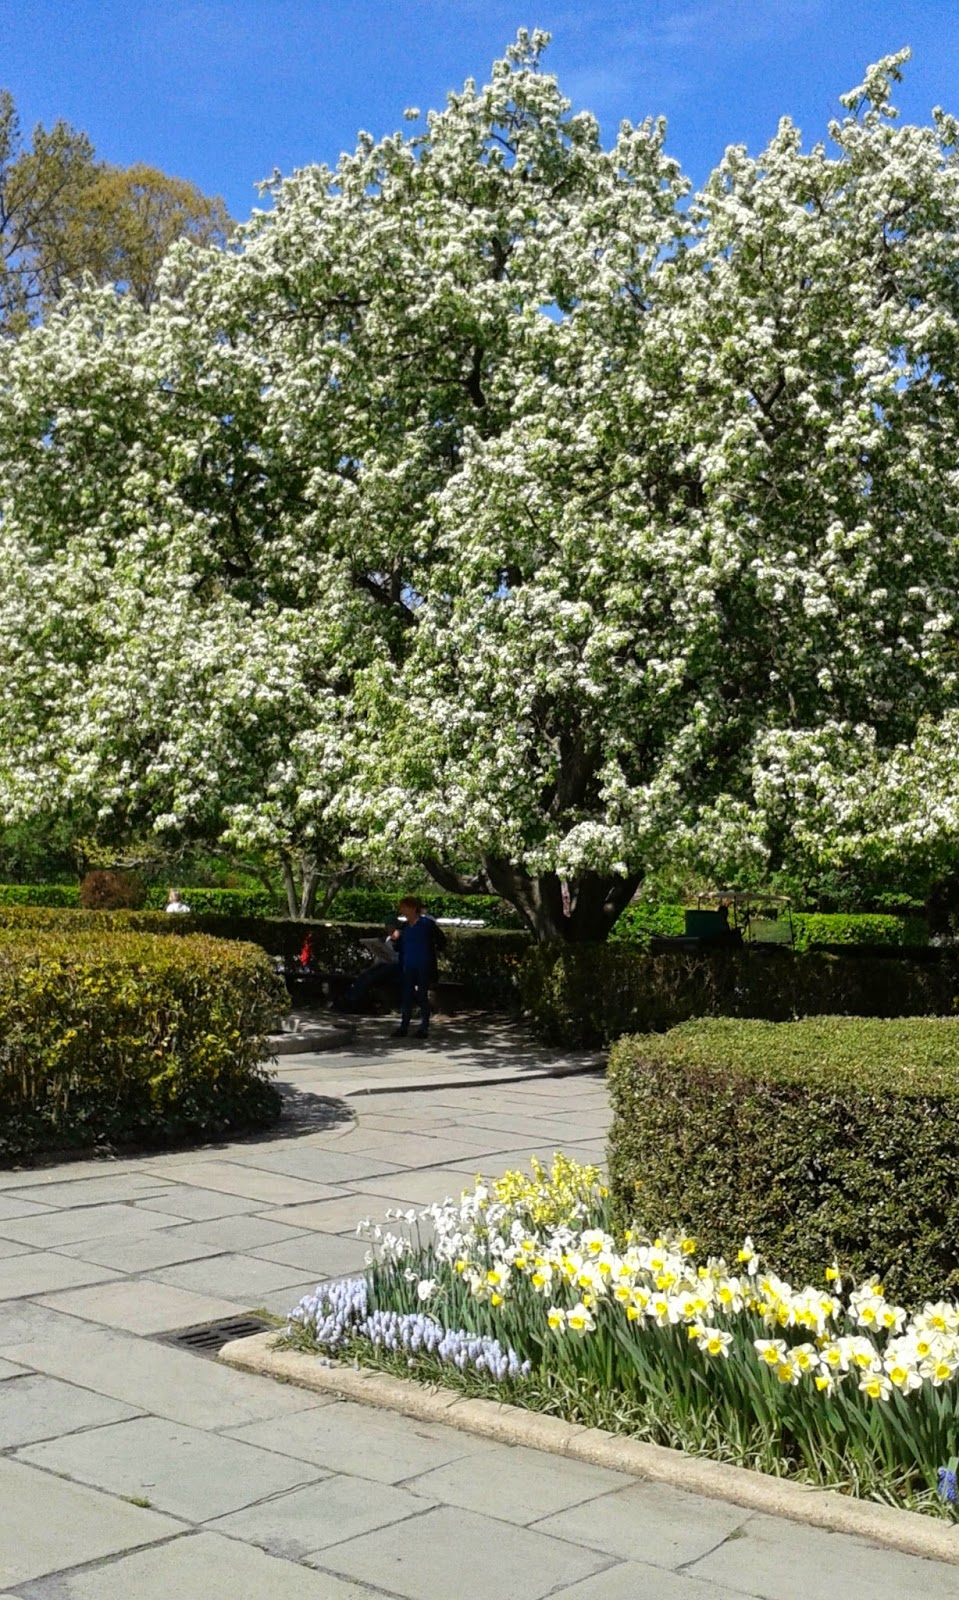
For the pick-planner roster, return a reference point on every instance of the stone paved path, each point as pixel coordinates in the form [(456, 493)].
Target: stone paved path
[(130, 1470)]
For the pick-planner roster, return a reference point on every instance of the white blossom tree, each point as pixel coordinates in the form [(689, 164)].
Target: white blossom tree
[(487, 503)]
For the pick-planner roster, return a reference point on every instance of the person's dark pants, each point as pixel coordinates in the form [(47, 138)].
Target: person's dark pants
[(369, 978), (415, 991)]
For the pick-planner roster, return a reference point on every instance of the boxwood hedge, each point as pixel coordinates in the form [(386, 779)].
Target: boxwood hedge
[(484, 962), (586, 995), (867, 928), (832, 1137), (106, 1039)]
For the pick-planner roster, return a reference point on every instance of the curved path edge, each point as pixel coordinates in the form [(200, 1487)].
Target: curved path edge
[(907, 1531)]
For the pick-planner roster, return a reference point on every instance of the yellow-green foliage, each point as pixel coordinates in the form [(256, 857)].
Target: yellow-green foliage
[(106, 1038), (828, 1137)]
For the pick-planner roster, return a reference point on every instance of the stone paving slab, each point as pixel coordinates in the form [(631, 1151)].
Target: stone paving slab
[(220, 1235), (101, 1190), (164, 1248), (280, 1302), (314, 1165), (526, 1486), (785, 1561), (375, 1445), (629, 1581), (232, 1177), (9, 1248), (10, 1369), (42, 1272), (36, 1407), (245, 1278), (27, 1322), (185, 1471), (328, 1255), (170, 1383), (199, 1205), (140, 1305), (202, 1567), (420, 1188), (649, 1523), (301, 1524), (338, 1216), (447, 1552), (11, 1207), (47, 1525), (55, 1228)]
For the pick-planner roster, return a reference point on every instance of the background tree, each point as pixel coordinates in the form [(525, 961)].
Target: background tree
[(63, 213), (40, 184), (121, 228), (486, 503)]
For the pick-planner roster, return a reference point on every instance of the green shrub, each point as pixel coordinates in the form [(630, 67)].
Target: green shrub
[(586, 995), (107, 1039), (375, 905), (215, 902), (39, 894), (818, 927), (485, 961), (642, 919), (831, 1137)]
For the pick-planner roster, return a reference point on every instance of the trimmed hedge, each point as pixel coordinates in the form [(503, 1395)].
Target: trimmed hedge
[(641, 920), (586, 995), (39, 894), (216, 902), (485, 961), (109, 1039), (827, 1138), (831, 928), (375, 905)]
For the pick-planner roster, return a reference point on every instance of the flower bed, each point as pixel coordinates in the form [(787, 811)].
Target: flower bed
[(524, 1290)]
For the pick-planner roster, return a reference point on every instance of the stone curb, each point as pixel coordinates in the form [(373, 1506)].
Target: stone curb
[(907, 1531), (470, 1080), (296, 1044)]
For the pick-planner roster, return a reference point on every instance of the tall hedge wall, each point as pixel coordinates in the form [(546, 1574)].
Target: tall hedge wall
[(814, 927), (108, 1038), (486, 962), (587, 995), (829, 1138)]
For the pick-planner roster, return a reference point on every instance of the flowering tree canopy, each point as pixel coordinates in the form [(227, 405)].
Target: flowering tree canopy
[(490, 500)]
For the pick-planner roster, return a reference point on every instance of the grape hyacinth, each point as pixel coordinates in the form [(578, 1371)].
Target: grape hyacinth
[(338, 1312)]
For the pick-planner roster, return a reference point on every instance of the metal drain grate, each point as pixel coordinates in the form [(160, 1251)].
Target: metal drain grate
[(210, 1337)]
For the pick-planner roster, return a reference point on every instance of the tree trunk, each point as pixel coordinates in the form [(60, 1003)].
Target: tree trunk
[(334, 882), (300, 895), (289, 884), (594, 899)]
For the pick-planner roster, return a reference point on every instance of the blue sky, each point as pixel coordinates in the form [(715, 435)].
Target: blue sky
[(223, 91)]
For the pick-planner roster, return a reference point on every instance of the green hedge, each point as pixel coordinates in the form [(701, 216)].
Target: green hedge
[(586, 995), (819, 927), (641, 920), (375, 905), (216, 902), (830, 1137), (108, 1039), (485, 961), (39, 894)]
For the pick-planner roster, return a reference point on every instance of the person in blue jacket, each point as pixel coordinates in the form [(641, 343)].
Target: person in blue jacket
[(418, 944)]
